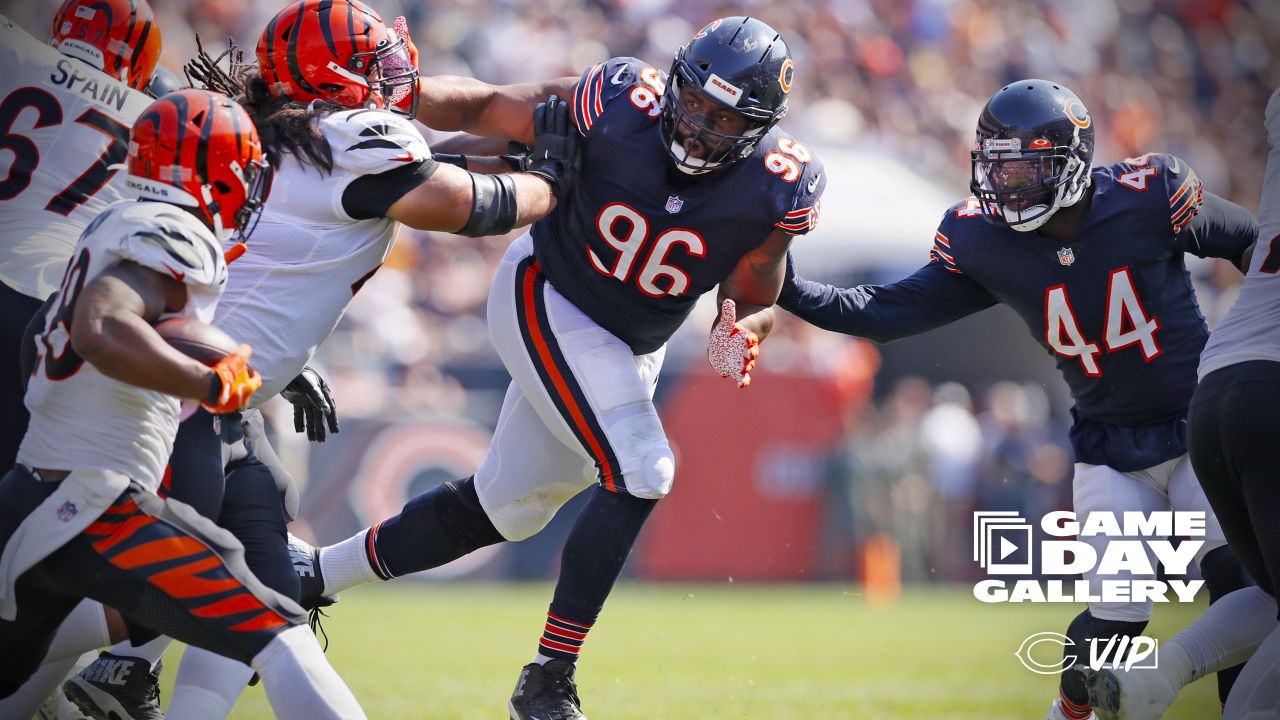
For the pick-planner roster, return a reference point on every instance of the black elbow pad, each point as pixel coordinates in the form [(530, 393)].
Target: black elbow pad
[(493, 206)]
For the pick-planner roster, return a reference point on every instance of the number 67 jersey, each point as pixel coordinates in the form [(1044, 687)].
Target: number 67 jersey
[(64, 125), (636, 241)]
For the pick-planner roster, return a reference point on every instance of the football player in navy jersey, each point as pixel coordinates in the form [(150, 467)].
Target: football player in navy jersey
[(685, 185), (1092, 259)]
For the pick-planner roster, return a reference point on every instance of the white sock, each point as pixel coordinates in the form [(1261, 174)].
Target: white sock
[(151, 651), (300, 683), (1257, 690), (84, 629), (1225, 635), (28, 698), (346, 565), (207, 685)]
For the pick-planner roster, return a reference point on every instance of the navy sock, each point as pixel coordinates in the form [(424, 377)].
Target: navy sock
[(593, 557), (436, 527)]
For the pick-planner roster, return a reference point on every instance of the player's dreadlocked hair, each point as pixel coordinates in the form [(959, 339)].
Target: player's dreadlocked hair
[(283, 125)]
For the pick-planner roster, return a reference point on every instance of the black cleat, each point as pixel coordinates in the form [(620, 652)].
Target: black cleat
[(306, 563), (115, 687), (546, 692)]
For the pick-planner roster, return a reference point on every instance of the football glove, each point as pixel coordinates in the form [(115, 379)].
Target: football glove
[(236, 382), (313, 406), (556, 151), (731, 349)]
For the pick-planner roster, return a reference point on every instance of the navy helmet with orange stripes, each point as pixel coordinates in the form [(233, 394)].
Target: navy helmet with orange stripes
[(118, 37), (1033, 153), (339, 50), (742, 65), (200, 150)]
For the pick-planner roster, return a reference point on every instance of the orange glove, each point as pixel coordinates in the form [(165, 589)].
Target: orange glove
[(236, 382), (731, 349)]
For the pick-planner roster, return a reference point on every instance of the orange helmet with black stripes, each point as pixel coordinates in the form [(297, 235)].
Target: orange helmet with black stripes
[(119, 37), (200, 150), (342, 51)]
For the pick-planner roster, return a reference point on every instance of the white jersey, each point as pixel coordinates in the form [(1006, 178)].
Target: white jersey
[(308, 257), (66, 124), (1251, 328), (80, 417)]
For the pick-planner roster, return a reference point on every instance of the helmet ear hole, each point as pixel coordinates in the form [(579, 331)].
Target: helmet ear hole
[(221, 187), (198, 119)]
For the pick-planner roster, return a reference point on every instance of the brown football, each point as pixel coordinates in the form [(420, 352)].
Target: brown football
[(197, 340)]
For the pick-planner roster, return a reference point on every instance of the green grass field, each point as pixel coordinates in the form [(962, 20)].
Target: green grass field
[(413, 650)]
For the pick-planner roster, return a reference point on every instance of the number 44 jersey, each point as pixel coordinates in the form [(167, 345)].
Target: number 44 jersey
[(636, 242), (63, 126), (1113, 305)]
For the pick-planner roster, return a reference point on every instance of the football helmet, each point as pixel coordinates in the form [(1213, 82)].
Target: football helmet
[(341, 51), (742, 65), (200, 150), (118, 37), (1033, 153)]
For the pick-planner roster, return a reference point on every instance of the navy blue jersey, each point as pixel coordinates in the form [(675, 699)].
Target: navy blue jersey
[(1114, 305), (635, 242)]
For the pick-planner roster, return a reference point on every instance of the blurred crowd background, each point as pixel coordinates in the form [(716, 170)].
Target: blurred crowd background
[(972, 417)]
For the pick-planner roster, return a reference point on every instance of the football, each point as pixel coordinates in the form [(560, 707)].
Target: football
[(197, 340)]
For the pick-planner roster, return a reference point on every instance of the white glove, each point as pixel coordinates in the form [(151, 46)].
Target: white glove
[(731, 349)]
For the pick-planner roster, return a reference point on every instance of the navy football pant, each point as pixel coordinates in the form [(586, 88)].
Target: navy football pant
[(1234, 437), (153, 559), (16, 310), (226, 471)]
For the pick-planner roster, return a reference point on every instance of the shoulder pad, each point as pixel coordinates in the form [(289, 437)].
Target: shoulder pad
[(603, 82), (369, 142), (802, 180), (1170, 174), (163, 238)]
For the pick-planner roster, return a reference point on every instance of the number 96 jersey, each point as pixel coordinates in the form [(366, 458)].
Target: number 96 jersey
[(64, 125), (636, 242)]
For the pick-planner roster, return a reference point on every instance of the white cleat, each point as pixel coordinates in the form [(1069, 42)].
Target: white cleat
[(1134, 694)]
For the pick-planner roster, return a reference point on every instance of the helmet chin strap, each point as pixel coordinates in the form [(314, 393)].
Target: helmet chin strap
[(215, 217)]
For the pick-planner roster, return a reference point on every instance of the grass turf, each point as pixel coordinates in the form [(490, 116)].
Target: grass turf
[(416, 650)]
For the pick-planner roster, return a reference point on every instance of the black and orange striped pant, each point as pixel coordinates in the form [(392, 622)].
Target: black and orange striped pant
[(152, 559)]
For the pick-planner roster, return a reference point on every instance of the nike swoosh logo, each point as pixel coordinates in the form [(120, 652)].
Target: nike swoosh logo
[(615, 80), (813, 184), (179, 276), (1174, 167)]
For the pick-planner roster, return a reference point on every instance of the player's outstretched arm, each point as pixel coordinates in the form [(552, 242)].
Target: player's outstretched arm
[(455, 200), (449, 102), (932, 297), (111, 328), (1220, 229)]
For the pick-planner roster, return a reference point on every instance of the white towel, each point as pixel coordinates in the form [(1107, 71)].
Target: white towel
[(79, 500)]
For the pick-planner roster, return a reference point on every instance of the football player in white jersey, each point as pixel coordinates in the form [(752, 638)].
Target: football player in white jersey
[(332, 94), (78, 514), (1233, 430), (65, 111)]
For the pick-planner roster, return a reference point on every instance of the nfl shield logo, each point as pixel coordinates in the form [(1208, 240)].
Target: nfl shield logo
[(674, 204), (1066, 256), (67, 511)]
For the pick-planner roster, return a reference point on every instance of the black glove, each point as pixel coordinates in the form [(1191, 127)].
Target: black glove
[(313, 406), (517, 157), (556, 152)]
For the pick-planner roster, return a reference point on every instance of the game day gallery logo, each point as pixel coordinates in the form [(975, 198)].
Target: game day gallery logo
[(1125, 568)]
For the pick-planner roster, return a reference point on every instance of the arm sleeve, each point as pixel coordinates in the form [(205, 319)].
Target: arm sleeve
[(603, 82), (800, 215), (370, 196), (1220, 229), (932, 297)]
